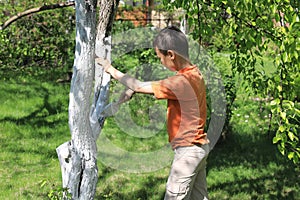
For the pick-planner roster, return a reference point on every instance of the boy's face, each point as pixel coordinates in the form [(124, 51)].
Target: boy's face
[(166, 60)]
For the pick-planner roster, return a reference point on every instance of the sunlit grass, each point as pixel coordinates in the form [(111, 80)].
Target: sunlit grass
[(34, 121), (32, 125)]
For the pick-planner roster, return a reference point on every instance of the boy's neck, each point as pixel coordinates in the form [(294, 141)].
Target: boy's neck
[(182, 63)]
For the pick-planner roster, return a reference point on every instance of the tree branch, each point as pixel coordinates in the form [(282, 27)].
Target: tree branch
[(34, 10), (247, 23), (257, 28)]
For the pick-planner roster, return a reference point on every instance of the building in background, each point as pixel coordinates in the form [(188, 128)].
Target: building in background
[(148, 12)]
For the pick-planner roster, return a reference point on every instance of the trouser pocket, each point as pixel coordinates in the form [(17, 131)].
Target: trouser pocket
[(177, 189)]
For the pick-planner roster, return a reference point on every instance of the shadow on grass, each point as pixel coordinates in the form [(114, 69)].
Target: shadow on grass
[(147, 190), (257, 169), (269, 176), (41, 123), (37, 118)]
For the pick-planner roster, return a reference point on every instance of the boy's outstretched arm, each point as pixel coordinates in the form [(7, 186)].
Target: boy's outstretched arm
[(128, 81)]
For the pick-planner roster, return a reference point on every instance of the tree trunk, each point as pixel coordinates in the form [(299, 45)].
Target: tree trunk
[(83, 175), (78, 157), (103, 49)]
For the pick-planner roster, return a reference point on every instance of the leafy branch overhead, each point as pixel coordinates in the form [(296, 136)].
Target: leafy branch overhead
[(35, 10), (252, 30)]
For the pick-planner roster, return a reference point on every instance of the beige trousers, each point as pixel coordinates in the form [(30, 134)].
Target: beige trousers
[(187, 178)]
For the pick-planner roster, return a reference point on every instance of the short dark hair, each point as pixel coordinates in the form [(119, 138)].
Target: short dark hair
[(172, 38)]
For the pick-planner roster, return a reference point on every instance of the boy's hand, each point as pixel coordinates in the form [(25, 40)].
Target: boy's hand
[(104, 63)]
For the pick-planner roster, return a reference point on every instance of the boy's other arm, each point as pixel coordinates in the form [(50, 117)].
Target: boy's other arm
[(125, 96)]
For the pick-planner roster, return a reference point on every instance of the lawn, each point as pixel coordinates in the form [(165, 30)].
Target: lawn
[(34, 121)]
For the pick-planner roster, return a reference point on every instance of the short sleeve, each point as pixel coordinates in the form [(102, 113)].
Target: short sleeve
[(175, 87)]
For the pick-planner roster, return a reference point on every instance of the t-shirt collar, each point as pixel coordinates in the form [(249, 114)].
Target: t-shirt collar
[(183, 70)]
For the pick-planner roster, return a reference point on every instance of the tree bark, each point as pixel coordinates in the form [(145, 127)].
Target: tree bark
[(83, 175), (103, 50), (78, 158)]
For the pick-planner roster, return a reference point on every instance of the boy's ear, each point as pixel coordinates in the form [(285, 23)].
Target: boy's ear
[(171, 53)]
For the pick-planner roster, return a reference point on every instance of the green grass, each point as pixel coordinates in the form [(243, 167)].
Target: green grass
[(34, 121)]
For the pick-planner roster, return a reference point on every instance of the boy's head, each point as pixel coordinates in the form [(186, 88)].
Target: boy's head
[(172, 38)]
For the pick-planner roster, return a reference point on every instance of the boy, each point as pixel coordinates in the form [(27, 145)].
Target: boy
[(186, 113)]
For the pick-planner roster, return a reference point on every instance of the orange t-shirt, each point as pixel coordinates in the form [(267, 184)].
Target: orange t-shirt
[(186, 114)]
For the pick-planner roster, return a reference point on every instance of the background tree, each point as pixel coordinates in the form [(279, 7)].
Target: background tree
[(35, 40), (250, 31)]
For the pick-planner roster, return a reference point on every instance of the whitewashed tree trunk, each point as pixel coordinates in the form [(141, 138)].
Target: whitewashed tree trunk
[(103, 50), (83, 174), (78, 157)]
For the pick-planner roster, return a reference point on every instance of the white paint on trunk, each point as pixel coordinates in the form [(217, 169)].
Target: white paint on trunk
[(101, 88), (78, 157)]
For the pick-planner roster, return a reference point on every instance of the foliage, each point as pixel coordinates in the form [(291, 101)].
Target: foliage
[(252, 30), (57, 193), (223, 64), (38, 43)]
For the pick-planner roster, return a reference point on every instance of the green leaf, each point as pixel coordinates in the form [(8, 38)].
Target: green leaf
[(276, 139), (275, 102), (224, 2), (281, 148), (291, 155), (279, 88), (283, 115), (291, 135), (228, 10), (285, 57), (281, 128)]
